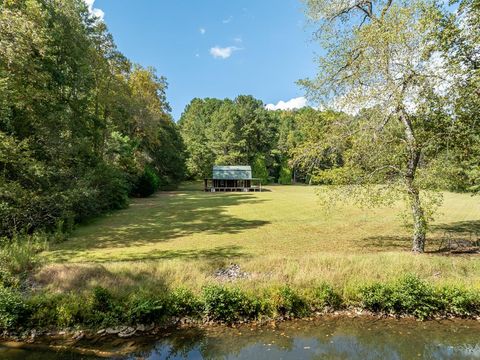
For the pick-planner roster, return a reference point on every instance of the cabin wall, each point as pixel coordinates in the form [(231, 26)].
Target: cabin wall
[(221, 183)]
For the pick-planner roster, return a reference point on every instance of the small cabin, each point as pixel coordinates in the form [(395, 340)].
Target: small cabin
[(232, 178)]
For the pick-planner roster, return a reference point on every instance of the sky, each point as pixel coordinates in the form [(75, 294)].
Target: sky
[(217, 48)]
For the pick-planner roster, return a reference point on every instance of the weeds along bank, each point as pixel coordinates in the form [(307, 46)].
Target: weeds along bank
[(24, 307)]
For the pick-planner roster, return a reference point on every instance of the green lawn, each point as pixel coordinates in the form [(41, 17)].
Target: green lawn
[(280, 236)]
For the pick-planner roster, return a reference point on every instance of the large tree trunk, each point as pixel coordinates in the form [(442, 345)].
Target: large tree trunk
[(418, 214)]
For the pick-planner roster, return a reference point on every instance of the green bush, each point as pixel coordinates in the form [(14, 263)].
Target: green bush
[(13, 309), (291, 304), (229, 304), (20, 254), (143, 309), (7, 280), (414, 296), (184, 303), (377, 297), (459, 302), (408, 295), (44, 309), (147, 183), (285, 176), (71, 310), (325, 296), (103, 308)]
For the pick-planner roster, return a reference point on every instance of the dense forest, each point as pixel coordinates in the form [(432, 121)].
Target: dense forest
[(278, 144), (81, 127)]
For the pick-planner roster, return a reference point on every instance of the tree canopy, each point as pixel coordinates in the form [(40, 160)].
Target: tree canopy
[(383, 64), (79, 124)]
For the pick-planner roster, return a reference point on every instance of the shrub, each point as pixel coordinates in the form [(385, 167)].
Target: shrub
[(44, 309), (101, 189), (19, 255), (285, 176), (325, 296), (414, 296), (408, 295), (13, 309), (184, 303), (459, 302), (377, 297), (229, 304), (146, 309), (71, 310), (147, 183), (103, 308), (291, 304), (7, 280), (112, 188)]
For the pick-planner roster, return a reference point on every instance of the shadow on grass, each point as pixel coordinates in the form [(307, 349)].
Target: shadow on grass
[(212, 255), (460, 227), (163, 217), (387, 243)]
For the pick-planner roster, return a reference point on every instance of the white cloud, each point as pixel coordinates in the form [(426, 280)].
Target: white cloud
[(98, 13), (202, 31), (295, 103), (238, 39), (226, 21), (224, 53)]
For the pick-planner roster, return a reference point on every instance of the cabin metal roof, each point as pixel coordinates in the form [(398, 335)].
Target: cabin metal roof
[(236, 172)]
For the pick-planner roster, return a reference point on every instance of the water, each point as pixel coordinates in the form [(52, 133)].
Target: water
[(332, 338)]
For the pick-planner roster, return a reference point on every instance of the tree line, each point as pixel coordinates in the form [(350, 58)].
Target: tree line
[(81, 127), (243, 132)]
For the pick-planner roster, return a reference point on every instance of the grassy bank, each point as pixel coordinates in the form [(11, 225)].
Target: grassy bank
[(157, 260), (100, 308)]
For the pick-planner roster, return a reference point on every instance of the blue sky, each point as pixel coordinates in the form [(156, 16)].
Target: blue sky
[(216, 48)]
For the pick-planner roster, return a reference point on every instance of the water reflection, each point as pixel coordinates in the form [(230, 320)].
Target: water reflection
[(332, 338)]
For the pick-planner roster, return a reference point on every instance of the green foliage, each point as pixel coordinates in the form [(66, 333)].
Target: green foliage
[(325, 296), (229, 304), (19, 255), (183, 302), (290, 304), (285, 176), (459, 302), (409, 295), (70, 310), (99, 307), (259, 169), (377, 297), (78, 123), (227, 132), (12, 309), (102, 308), (145, 309), (412, 296), (147, 183)]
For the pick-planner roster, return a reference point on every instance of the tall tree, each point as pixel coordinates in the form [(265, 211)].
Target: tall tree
[(378, 53)]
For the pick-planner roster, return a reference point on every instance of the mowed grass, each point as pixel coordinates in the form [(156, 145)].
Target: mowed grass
[(280, 236)]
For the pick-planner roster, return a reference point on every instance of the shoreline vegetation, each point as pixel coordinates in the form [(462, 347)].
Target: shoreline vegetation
[(99, 314)]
